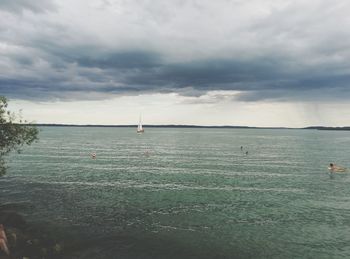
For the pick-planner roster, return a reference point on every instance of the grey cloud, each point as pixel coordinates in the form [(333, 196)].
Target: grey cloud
[(334, 94), (288, 53), (18, 6), (208, 73), (52, 90), (138, 72), (124, 60)]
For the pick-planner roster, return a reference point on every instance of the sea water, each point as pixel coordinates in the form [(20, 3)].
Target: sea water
[(186, 192)]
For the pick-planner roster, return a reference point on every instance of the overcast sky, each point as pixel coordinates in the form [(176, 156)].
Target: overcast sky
[(238, 62)]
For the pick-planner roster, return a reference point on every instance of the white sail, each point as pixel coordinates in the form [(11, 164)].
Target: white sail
[(139, 127)]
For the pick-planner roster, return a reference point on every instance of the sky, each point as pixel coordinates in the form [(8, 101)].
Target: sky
[(200, 62)]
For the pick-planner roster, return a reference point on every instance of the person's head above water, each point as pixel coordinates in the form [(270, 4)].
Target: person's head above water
[(331, 164)]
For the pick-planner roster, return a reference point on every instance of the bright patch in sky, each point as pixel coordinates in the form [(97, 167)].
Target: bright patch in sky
[(164, 109)]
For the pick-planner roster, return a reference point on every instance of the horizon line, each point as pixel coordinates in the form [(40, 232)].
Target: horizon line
[(186, 126)]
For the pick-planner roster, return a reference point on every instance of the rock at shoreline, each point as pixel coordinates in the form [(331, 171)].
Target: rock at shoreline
[(26, 242), (12, 219)]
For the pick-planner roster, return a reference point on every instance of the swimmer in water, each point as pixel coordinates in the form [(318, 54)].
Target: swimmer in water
[(93, 155), (334, 168), (246, 152), (241, 147)]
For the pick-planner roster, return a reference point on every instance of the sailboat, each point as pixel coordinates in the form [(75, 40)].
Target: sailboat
[(139, 127)]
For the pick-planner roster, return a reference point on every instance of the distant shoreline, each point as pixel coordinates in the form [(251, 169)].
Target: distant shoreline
[(347, 128)]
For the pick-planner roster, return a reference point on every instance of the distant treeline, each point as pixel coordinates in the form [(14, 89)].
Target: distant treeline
[(187, 126), (154, 126), (328, 128), (135, 126)]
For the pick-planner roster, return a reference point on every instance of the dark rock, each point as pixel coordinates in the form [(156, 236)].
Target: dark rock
[(28, 241), (12, 219)]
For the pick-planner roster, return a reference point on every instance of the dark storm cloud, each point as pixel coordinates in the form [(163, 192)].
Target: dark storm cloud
[(124, 60), (290, 50), (29, 89), (34, 89), (142, 72), (253, 77), (208, 73)]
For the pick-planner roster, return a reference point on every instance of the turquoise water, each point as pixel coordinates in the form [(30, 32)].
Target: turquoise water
[(187, 193)]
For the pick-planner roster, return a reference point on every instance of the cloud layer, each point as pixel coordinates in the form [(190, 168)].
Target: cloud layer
[(266, 50)]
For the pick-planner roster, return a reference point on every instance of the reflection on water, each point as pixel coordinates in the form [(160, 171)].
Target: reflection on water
[(186, 193)]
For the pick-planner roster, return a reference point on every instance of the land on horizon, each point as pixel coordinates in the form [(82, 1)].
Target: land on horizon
[(187, 126)]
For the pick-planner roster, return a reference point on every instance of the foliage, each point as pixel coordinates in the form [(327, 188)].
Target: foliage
[(14, 133)]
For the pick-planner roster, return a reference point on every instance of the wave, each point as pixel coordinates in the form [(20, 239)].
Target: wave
[(169, 186)]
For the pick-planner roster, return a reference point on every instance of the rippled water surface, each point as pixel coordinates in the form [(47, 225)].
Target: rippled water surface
[(187, 193)]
